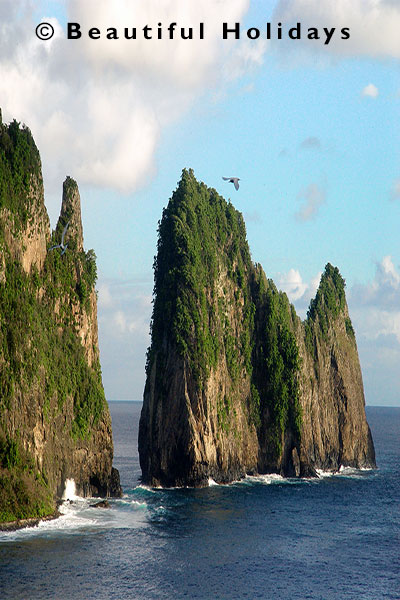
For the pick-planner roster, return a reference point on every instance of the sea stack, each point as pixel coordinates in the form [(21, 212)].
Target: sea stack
[(236, 383), (54, 420)]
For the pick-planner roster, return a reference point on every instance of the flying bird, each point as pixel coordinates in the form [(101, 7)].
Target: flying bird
[(234, 180), (62, 246)]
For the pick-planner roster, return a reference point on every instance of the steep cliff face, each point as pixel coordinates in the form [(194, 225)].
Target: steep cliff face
[(334, 430), (54, 420), (197, 415), (236, 383)]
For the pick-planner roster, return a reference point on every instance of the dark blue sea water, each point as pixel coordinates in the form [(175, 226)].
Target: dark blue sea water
[(332, 538)]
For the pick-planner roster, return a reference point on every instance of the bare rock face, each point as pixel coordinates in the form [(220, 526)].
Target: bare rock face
[(236, 383), (54, 420), (27, 245), (335, 432)]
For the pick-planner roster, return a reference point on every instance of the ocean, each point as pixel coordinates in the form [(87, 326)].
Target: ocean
[(336, 537)]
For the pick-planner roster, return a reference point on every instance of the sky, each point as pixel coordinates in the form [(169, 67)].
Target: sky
[(311, 128)]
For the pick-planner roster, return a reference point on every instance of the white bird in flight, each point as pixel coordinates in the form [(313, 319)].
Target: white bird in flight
[(234, 180), (62, 246)]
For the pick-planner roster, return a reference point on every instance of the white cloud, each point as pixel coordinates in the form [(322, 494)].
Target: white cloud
[(370, 90), (313, 197), (124, 312), (374, 24), (374, 309), (395, 193), (127, 314), (375, 312), (387, 273), (97, 108), (119, 320), (245, 57), (104, 296), (383, 292), (127, 321), (292, 284), (298, 291), (378, 323)]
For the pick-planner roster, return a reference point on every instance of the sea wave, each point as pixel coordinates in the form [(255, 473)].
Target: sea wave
[(266, 479), (81, 515), (211, 482), (346, 472), (142, 504), (147, 488)]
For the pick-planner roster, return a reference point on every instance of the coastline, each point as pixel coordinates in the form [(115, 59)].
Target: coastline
[(24, 523)]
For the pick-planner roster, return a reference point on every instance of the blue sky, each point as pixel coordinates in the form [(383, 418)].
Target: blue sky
[(311, 130)]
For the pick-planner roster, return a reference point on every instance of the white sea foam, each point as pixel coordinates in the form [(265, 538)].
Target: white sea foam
[(344, 472), (147, 488), (77, 516), (133, 503), (323, 474), (265, 479), (73, 518), (211, 482), (353, 470)]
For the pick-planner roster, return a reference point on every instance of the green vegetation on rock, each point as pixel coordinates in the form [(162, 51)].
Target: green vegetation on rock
[(197, 231), (23, 491), (43, 312), (277, 363), (212, 305), (19, 166), (330, 298), (37, 340), (324, 309), (235, 380)]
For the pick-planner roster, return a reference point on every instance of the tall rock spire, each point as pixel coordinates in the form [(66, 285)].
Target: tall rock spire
[(71, 212), (236, 382), (53, 413)]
